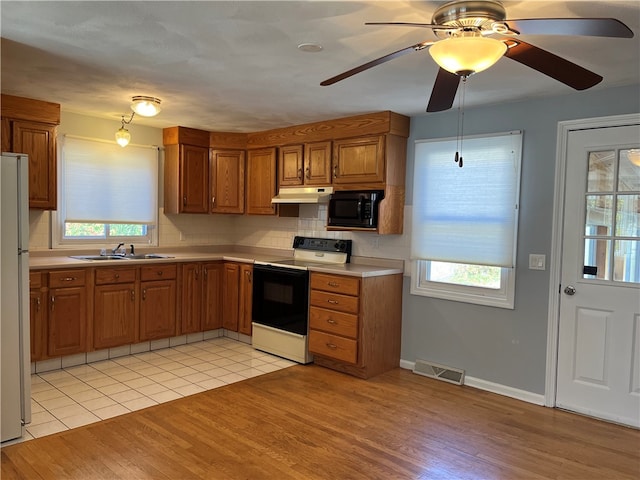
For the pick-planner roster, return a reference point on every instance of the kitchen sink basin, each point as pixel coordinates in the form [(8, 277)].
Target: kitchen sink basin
[(147, 256), (99, 257)]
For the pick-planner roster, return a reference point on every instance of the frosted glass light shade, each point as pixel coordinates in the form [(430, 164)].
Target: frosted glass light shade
[(467, 55), (123, 137), (145, 106)]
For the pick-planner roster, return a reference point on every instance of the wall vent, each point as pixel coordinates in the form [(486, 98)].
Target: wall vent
[(439, 372)]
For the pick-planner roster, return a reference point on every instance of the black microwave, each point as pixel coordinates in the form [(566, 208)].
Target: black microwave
[(354, 209)]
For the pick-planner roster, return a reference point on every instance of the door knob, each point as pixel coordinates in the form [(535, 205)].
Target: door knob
[(570, 290)]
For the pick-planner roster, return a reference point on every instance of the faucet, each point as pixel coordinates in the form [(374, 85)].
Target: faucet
[(115, 250)]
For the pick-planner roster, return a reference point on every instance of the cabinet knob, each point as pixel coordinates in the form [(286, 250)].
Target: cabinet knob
[(335, 171), (68, 279), (300, 173), (184, 200), (331, 321), (133, 295), (333, 302), (38, 304), (213, 201), (333, 284), (159, 272), (308, 173), (144, 294), (117, 275), (332, 346)]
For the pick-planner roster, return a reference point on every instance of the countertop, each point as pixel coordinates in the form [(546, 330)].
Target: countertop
[(359, 266)]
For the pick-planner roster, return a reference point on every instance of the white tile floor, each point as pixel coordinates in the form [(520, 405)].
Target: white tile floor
[(76, 396)]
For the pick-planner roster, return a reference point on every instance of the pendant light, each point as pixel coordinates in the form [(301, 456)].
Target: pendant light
[(142, 105), (123, 137)]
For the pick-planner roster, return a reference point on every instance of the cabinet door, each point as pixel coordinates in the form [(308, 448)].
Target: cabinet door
[(114, 315), (246, 299), (358, 160), (67, 321), (230, 296), (38, 330), (261, 181), (290, 166), (38, 140), (227, 181), (194, 179), (317, 163), (212, 296), (157, 309), (191, 296)]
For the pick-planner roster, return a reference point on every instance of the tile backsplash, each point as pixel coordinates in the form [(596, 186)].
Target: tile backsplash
[(256, 230)]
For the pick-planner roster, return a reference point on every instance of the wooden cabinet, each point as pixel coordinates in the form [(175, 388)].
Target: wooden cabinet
[(38, 316), (157, 301), (359, 160), (227, 181), (261, 181), (115, 307), (29, 126), (230, 296), (212, 296), (355, 323), (245, 299), (191, 298), (67, 318), (308, 164)]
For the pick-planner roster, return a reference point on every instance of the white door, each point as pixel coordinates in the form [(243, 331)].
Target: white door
[(599, 325)]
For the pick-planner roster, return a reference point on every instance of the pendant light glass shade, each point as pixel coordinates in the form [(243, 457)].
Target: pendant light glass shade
[(123, 137), (145, 106), (467, 55)]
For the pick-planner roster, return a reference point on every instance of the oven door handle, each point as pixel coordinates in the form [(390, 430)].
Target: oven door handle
[(294, 272)]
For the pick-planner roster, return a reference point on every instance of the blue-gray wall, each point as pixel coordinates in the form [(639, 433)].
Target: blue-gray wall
[(504, 346)]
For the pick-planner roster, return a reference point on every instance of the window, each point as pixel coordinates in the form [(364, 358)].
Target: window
[(465, 219), (108, 194)]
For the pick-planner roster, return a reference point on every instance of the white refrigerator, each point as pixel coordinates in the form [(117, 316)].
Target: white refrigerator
[(15, 369)]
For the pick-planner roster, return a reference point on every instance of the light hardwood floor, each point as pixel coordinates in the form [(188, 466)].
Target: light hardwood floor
[(308, 422)]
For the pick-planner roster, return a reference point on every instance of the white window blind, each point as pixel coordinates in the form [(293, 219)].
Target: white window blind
[(467, 215), (106, 183)]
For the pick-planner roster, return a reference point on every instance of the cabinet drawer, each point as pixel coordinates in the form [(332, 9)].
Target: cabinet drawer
[(332, 346), (115, 275), (158, 272), (335, 283), (35, 279), (334, 301), (337, 323), (66, 278)]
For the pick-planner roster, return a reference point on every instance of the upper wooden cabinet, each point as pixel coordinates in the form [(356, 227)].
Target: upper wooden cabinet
[(308, 164), (359, 160), (227, 181), (30, 126), (261, 181)]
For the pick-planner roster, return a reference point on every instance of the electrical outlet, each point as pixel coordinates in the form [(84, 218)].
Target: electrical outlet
[(537, 261)]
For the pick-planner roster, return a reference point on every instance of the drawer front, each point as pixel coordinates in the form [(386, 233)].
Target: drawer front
[(332, 346), (158, 272), (35, 279), (335, 283), (115, 275), (66, 278), (333, 301), (337, 323)]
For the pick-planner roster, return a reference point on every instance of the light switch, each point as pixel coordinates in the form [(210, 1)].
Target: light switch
[(536, 261)]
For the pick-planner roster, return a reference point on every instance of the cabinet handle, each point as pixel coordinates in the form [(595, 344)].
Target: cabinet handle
[(53, 301), (184, 200), (332, 346), (38, 304), (117, 275), (144, 294), (159, 272), (333, 302), (133, 295), (335, 171), (300, 173), (333, 284), (195, 273), (331, 321), (308, 173), (213, 201), (68, 279), (205, 272)]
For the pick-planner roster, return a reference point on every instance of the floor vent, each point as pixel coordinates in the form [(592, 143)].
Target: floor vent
[(439, 372)]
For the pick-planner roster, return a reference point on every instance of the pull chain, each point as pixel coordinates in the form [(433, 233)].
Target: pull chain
[(460, 137)]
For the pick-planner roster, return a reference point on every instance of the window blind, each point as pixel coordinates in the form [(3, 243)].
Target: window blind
[(105, 183), (467, 215)]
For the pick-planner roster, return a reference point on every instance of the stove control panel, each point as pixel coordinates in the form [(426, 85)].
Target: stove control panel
[(323, 244)]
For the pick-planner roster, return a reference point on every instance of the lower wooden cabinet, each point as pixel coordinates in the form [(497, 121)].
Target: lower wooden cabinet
[(67, 316), (115, 307), (212, 296), (38, 315), (237, 297), (246, 298), (191, 297), (355, 323), (157, 301)]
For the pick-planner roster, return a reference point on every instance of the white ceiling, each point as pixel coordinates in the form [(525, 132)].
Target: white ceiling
[(235, 66)]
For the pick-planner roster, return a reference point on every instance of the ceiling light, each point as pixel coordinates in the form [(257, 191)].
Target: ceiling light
[(310, 47), (467, 55), (123, 137), (634, 156), (145, 106)]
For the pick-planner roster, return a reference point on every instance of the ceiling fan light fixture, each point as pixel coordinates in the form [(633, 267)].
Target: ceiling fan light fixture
[(145, 106), (467, 55), (123, 137)]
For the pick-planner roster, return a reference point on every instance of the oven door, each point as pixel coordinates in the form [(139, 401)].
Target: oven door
[(280, 298)]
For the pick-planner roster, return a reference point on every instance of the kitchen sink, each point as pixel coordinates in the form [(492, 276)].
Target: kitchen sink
[(147, 256)]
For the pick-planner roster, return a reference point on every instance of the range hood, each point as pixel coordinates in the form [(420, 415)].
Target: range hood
[(303, 195)]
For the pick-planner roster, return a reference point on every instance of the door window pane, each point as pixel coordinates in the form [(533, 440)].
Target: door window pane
[(626, 261), (601, 171), (629, 172), (628, 216), (596, 254)]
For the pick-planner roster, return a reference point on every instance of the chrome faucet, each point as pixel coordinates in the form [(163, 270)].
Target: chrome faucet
[(115, 250)]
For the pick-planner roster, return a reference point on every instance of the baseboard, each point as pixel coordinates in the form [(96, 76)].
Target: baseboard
[(492, 387)]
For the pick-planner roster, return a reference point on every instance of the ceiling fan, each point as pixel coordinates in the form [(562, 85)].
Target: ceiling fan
[(467, 31)]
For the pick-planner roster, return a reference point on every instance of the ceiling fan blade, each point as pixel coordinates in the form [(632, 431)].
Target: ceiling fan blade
[(594, 27), (551, 65), (377, 61), (444, 91), (412, 24)]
